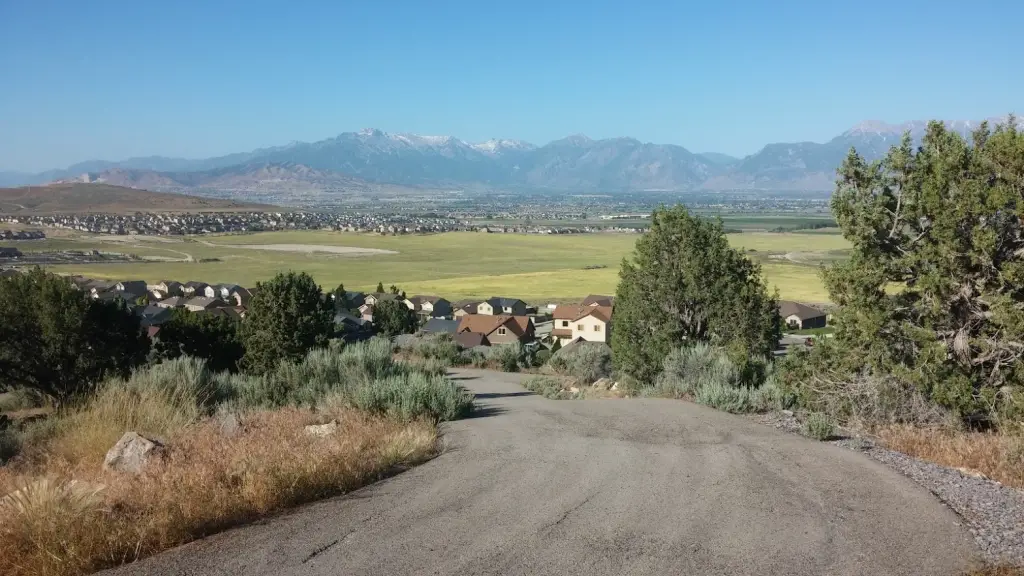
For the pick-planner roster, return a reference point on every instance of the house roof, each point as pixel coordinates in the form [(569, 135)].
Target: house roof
[(471, 339), (421, 298), (384, 296), (152, 331), (486, 324), (501, 302), (598, 300), (196, 285), (226, 311), (441, 325), (173, 301), (202, 301), (576, 311), (801, 311), (465, 303)]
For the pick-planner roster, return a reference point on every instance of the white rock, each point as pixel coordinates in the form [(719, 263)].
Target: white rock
[(230, 426), (132, 453), (322, 430), (603, 384)]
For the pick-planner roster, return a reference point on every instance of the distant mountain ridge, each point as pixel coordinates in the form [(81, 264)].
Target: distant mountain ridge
[(358, 161)]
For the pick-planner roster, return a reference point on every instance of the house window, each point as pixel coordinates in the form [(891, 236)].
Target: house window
[(597, 327), (502, 331), (565, 323), (579, 327)]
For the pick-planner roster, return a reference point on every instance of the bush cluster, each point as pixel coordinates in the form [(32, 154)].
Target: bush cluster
[(585, 362), (708, 376)]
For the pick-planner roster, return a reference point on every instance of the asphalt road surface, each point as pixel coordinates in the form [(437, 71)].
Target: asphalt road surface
[(536, 486)]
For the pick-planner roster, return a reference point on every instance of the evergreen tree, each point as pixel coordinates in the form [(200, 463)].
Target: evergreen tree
[(380, 287), (287, 317), (213, 338), (57, 341), (684, 285), (391, 317), (933, 293)]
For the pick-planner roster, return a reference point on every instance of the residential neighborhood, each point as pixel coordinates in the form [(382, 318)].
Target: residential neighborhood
[(472, 323)]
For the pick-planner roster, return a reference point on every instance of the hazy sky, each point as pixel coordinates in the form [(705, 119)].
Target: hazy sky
[(112, 79)]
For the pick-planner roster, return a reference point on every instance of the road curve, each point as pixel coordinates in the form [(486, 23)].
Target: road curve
[(535, 486)]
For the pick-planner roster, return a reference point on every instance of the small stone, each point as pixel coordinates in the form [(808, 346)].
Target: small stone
[(322, 430), (603, 384), (132, 453), (230, 425), (787, 413), (574, 390), (615, 386)]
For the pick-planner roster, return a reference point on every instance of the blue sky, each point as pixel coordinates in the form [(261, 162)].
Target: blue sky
[(113, 79)]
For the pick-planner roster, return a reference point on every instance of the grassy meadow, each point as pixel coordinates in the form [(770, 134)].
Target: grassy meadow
[(457, 265)]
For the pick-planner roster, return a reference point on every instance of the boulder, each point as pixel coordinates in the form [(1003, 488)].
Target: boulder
[(603, 384), (322, 430), (132, 453), (574, 390)]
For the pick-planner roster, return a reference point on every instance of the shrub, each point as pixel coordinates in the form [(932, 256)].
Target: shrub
[(507, 356), (585, 362), (707, 375), (441, 347), (547, 387), (542, 357), (414, 396), (819, 426)]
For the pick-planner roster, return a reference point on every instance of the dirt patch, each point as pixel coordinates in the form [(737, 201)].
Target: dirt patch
[(310, 248)]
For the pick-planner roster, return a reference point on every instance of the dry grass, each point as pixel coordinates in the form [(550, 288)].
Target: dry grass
[(65, 516), (997, 456), (998, 571)]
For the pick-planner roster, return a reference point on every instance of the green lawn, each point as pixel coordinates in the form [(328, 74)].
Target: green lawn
[(456, 265)]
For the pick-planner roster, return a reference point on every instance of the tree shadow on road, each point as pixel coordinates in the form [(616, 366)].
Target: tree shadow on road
[(486, 395), (485, 412)]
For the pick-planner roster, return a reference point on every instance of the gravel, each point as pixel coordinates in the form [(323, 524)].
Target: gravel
[(993, 513)]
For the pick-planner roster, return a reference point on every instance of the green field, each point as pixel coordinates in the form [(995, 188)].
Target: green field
[(535, 268)]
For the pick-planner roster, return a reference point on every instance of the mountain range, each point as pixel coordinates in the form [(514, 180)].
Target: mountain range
[(361, 162)]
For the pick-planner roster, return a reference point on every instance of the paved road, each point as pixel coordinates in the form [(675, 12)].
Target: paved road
[(535, 486)]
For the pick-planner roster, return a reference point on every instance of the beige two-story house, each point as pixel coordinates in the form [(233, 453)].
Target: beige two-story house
[(576, 321)]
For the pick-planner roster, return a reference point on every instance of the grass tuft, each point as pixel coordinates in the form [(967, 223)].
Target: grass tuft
[(819, 426)]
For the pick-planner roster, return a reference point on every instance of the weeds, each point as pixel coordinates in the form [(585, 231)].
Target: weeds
[(819, 426), (997, 455), (56, 526)]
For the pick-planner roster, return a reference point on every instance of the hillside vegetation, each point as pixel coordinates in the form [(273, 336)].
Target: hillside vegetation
[(81, 198)]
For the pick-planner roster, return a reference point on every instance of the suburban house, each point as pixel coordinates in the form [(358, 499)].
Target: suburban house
[(499, 328), (471, 340), (241, 296), (153, 315), (463, 307), (351, 300), (576, 321), (377, 297), (441, 326), (169, 287), (223, 291), (172, 302), (496, 305), (226, 311), (194, 288), (200, 303), (133, 286), (597, 300), (797, 316), (366, 312), (430, 306)]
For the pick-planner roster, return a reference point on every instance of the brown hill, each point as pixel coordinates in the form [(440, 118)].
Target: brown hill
[(79, 198)]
